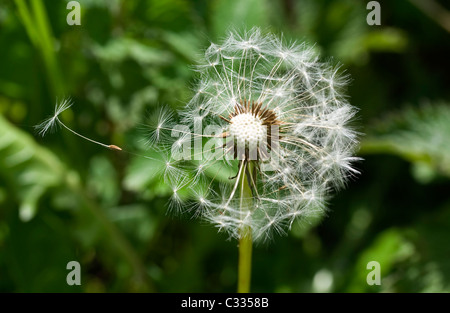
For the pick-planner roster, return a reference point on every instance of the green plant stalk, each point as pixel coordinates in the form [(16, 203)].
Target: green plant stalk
[(245, 240), (37, 26)]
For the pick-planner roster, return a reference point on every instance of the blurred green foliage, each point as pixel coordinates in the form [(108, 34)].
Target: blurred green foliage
[(63, 199)]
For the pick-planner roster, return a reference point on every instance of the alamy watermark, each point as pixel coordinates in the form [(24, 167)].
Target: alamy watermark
[(374, 276), (374, 16), (240, 144), (74, 276), (74, 16)]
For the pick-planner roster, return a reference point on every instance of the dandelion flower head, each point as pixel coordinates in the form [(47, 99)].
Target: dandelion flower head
[(280, 118)]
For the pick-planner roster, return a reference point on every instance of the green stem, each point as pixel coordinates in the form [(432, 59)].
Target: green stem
[(245, 261), (245, 238), (37, 26)]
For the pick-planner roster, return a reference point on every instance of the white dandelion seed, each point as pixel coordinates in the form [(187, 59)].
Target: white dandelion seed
[(159, 123), (284, 122), (49, 124)]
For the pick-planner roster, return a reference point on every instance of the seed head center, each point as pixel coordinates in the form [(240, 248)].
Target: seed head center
[(247, 129)]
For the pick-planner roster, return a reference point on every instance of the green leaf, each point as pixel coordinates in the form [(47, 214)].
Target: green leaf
[(145, 172), (420, 136), (28, 169), (388, 248)]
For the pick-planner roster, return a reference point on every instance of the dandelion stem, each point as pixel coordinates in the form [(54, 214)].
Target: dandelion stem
[(245, 236), (245, 261)]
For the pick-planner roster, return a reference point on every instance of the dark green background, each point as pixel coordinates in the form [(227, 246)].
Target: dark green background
[(64, 199)]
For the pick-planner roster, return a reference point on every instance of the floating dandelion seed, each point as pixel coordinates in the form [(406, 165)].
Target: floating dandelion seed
[(282, 121), (49, 125)]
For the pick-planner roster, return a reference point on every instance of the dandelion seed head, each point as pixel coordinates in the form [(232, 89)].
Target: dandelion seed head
[(262, 91), (247, 129)]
